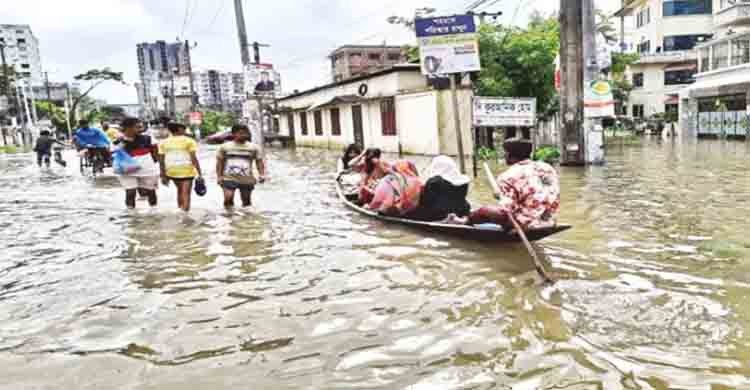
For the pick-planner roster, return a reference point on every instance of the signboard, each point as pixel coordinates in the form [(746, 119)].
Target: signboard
[(448, 44), (262, 79), (598, 100), (504, 112), (196, 118)]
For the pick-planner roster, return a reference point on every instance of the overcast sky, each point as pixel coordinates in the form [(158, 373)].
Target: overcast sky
[(76, 35)]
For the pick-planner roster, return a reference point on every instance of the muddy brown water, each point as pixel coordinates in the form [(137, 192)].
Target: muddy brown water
[(300, 293)]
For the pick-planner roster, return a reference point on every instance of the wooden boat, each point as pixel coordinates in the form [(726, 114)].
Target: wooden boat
[(484, 233)]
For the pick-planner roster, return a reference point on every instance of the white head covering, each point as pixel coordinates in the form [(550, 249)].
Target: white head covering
[(446, 168)]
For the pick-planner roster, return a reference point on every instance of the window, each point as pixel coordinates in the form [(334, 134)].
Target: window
[(638, 80), (25, 66), (721, 56), (388, 116), (290, 122), (741, 51), (687, 7), (644, 47), (643, 17), (682, 42), (303, 122), (335, 122), (21, 41), (637, 110), (677, 77), (394, 57), (374, 56), (318, 119), (705, 59)]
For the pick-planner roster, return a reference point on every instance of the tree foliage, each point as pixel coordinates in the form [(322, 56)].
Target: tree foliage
[(96, 77), (216, 121), (54, 113), (520, 61)]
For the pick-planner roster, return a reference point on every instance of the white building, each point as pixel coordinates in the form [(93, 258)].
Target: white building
[(718, 104), (394, 109), (665, 34), (220, 90), (22, 51)]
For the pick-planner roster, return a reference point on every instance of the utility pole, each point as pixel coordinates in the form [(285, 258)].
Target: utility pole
[(190, 76), (256, 51), (46, 86), (571, 86), (242, 32)]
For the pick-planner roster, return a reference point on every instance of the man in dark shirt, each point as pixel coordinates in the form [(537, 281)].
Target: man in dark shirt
[(43, 148)]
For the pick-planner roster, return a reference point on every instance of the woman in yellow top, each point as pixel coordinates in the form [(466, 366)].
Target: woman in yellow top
[(179, 163)]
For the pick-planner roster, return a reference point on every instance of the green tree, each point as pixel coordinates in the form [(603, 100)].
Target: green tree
[(520, 61), (53, 113), (95, 77), (215, 121)]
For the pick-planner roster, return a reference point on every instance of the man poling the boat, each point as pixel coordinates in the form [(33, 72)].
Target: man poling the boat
[(529, 191)]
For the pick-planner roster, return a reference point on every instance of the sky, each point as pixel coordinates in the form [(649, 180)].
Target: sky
[(77, 35)]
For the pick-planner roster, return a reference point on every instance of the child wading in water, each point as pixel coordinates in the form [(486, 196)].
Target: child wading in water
[(140, 147), (234, 167), (179, 163)]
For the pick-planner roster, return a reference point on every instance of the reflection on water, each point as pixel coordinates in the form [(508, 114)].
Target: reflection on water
[(301, 293)]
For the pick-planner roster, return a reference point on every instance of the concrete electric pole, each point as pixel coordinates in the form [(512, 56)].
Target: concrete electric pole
[(242, 32), (580, 139), (571, 82)]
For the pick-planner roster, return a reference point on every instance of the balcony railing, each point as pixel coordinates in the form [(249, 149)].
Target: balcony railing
[(736, 13), (667, 56)]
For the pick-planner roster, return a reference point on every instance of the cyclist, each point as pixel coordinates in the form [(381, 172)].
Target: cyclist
[(92, 141)]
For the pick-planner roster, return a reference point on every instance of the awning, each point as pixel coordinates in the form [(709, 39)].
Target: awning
[(343, 99), (672, 99), (739, 76), (681, 66)]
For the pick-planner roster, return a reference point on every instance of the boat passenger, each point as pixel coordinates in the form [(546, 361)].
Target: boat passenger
[(398, 193), (530, 190), (374, 169), (444, 192), (352, 153)]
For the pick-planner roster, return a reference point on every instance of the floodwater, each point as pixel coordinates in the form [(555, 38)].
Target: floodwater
[(300, 293)]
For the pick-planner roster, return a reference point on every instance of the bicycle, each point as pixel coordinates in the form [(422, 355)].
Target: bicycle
[(94, 159)]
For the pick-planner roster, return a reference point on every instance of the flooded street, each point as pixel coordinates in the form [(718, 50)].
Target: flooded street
[(301, 293)]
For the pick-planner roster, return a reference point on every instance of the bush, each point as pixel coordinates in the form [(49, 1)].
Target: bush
[(548, 154)]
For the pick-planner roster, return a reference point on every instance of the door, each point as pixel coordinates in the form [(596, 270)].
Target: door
[(359, 137)]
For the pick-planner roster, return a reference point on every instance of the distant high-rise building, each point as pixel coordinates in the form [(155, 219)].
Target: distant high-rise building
[(357, 60), (22, 51), (158, 63), (220, 90)]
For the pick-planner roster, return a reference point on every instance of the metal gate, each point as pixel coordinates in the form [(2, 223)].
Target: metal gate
[(723, 123)]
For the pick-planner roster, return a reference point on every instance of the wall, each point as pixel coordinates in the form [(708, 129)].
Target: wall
[(417, 116), (654, 93), (446, 124)]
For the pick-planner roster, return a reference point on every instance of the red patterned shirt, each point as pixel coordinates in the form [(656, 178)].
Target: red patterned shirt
[(531, 191)]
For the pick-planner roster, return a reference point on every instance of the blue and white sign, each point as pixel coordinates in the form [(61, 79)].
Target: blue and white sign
[(448, 45), (450, 25)]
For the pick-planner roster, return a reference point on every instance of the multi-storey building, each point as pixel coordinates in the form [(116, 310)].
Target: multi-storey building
[(158, 64), (718, 103), (357, 60), (665, 35), (22, 51), (220, 90)]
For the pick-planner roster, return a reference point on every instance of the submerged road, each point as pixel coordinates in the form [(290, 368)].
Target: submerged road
[(300, 293)]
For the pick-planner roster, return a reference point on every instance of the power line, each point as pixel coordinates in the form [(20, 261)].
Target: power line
[(185, 19), (216, 15), (192, 13)]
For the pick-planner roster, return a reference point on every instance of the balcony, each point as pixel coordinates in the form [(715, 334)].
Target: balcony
[(737, 14), (667, 57)]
